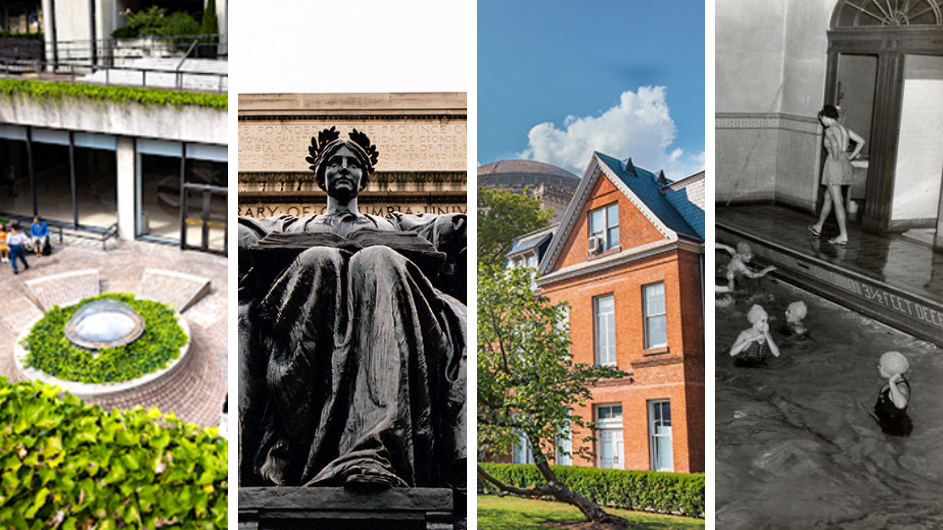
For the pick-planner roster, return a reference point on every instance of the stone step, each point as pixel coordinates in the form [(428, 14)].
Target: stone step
[(63, 289), (174, 288), (898, 305), (338, 508), (208, 311), (18, 312)]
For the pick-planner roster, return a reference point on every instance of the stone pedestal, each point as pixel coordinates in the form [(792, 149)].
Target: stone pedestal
[(338, 509)]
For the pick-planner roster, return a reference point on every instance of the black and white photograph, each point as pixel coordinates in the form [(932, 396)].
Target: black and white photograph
[(829, 272)]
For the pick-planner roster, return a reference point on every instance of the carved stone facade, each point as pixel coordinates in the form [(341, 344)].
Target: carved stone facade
[(422, 138)]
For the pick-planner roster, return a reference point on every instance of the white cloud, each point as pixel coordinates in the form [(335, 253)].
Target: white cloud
[(640, 126)]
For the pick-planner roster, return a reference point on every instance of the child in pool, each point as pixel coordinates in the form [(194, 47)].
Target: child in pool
[(754, 344), (890, 410), (740, 258), (795, 314), (723, 293)]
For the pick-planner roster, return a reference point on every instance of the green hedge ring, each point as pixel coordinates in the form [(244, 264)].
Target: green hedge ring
[(50, 352)]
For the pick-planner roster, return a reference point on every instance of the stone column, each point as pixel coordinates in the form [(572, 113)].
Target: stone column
[(49, 32), (222, 20), (127, 178)]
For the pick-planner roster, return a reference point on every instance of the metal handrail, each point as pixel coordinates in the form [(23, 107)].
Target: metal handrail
[(182, 60), (81, 50), (54, 72), (93, 233)]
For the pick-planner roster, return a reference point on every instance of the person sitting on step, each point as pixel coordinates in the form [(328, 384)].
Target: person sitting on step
[(39, 235)]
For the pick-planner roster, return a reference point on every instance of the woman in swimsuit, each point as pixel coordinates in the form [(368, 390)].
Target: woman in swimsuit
[(754, 344), (837, 171), (890, 410)]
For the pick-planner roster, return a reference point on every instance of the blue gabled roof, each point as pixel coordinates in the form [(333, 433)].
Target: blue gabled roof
[(691, 212), (644, 184)]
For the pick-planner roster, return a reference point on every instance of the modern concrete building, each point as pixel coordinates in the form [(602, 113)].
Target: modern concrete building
[(421, 138), (81, 30), (553, 186), (97, 167), (24, 16), (103, 167), (628, 259)]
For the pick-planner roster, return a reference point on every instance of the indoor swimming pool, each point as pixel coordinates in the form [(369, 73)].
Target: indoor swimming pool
[(795, 445)]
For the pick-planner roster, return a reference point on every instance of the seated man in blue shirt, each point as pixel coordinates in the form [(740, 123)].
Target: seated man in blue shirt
[(39, 235)]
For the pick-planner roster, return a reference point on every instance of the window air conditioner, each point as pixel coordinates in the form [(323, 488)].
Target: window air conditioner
[(596, 245)]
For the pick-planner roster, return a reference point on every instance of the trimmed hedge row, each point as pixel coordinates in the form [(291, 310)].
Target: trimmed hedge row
[(17, 35), (52, 353), (55, 91), (651, 491), (68, 465)]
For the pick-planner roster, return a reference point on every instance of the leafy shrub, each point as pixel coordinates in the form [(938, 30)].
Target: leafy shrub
[(68, 465), (14, 35), (51, 352), (209, 25), (651, 491), (56, 91), (155, 21)]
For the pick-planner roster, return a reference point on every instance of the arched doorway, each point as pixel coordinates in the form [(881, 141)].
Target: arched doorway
[(885, 69)]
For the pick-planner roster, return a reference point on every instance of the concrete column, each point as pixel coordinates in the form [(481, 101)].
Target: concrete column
[(126, 183), (222, 19), (48, 31)]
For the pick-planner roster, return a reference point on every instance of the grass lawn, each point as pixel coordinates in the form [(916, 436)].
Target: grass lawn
[(512, 513)]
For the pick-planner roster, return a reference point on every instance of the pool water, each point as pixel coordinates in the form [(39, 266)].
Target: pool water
[(795, 446)]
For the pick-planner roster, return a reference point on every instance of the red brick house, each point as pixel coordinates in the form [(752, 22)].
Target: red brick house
[(628, 257)]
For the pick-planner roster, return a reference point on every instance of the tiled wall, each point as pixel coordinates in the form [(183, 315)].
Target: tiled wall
[(767, 146), (766, 157)]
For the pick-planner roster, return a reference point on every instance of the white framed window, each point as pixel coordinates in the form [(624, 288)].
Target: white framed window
[(659, 433), (564, 456), (609, 445), (656, 332), (529, 261), (604, 322), (563, 325), (604, 224), (523, 454)]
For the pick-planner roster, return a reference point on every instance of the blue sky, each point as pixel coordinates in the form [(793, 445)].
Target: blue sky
[(558, 79)]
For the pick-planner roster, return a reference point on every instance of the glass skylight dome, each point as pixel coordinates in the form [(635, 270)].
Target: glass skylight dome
[(104, 323)]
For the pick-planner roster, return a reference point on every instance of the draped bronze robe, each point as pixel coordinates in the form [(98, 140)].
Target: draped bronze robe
[(353, 362)]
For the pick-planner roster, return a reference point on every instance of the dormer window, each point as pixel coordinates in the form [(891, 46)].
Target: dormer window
[(604, 228)]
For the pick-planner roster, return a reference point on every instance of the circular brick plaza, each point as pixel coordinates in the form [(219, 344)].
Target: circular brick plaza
[(194, 283)]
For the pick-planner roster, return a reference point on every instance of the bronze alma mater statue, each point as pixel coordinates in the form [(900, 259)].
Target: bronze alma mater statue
[(352, 346)]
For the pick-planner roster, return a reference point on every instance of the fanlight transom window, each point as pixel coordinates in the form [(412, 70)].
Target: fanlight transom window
[(864, 13)]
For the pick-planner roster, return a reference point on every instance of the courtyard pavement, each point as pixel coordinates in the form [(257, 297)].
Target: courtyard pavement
[(194, 393)]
